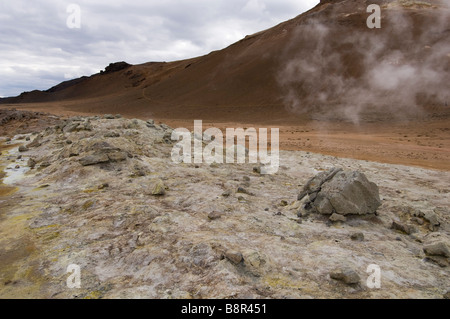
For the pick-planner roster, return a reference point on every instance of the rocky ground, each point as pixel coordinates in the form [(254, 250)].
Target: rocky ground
[(103, 193)]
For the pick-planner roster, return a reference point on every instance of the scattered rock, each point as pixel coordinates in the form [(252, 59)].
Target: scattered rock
[(407, 229), (103, 186), (31, 163), (94, 159), (432, 219), (159, 189), (437, 249), (234, 256), (109, 117), (357, 236), (242, 190), (447, 295), (345, 274), (227, 193), (338, 218), (417, 220), (44, 164), (214, 215), (36, 142), (112, 135), (117, 156), (23, 148), (284, 203)]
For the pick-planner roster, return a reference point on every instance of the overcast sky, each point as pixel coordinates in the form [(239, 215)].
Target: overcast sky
[(41, 44)]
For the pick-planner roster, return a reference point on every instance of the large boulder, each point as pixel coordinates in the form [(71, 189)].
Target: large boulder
[(340, 192)]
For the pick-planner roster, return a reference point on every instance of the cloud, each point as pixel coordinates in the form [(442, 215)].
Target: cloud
[(38, 50)]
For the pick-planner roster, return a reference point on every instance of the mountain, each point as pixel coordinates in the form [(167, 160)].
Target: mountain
[(325, 63)]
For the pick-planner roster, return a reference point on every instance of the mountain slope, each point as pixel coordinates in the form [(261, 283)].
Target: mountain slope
[(325, 63)]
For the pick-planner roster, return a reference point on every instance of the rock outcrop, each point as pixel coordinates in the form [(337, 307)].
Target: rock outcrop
[(336, 192)]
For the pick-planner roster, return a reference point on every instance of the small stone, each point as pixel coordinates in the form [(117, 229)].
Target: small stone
[(19, 157), (159, 189), (432, 219), (338, 218), (8, 139), (94, 159), (103, 186), (417, 220), (284, 203), (246, 179), (234, 256), (23, 148), (27, 139), (109, 117), (437, 249), (407, 229), (257, 169), (17, 167), (357, 236), (68, 142), (112, 135), (226, 193), (214, 215), (45, 164), (117, 156), (447, 295), (346, 275), (241, 190)]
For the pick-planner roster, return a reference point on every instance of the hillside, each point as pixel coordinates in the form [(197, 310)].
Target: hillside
[(324, 63)]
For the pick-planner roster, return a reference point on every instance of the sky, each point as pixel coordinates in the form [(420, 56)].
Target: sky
[(45, 42)]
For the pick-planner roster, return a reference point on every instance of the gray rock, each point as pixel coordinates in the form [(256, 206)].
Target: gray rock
[(407, 229), (227, 193), (242, 190), (432, 219), (214, 215), (437, 249), (159, 189), (45, 164), (94, 159), (117, 156), (23, 148), (340, 192), (71, 127), (349, 193), (36, 142), (109, 117), (357, 236), (31, 163), (234, 256), (112, 134), (345, 274), (338, 218)]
